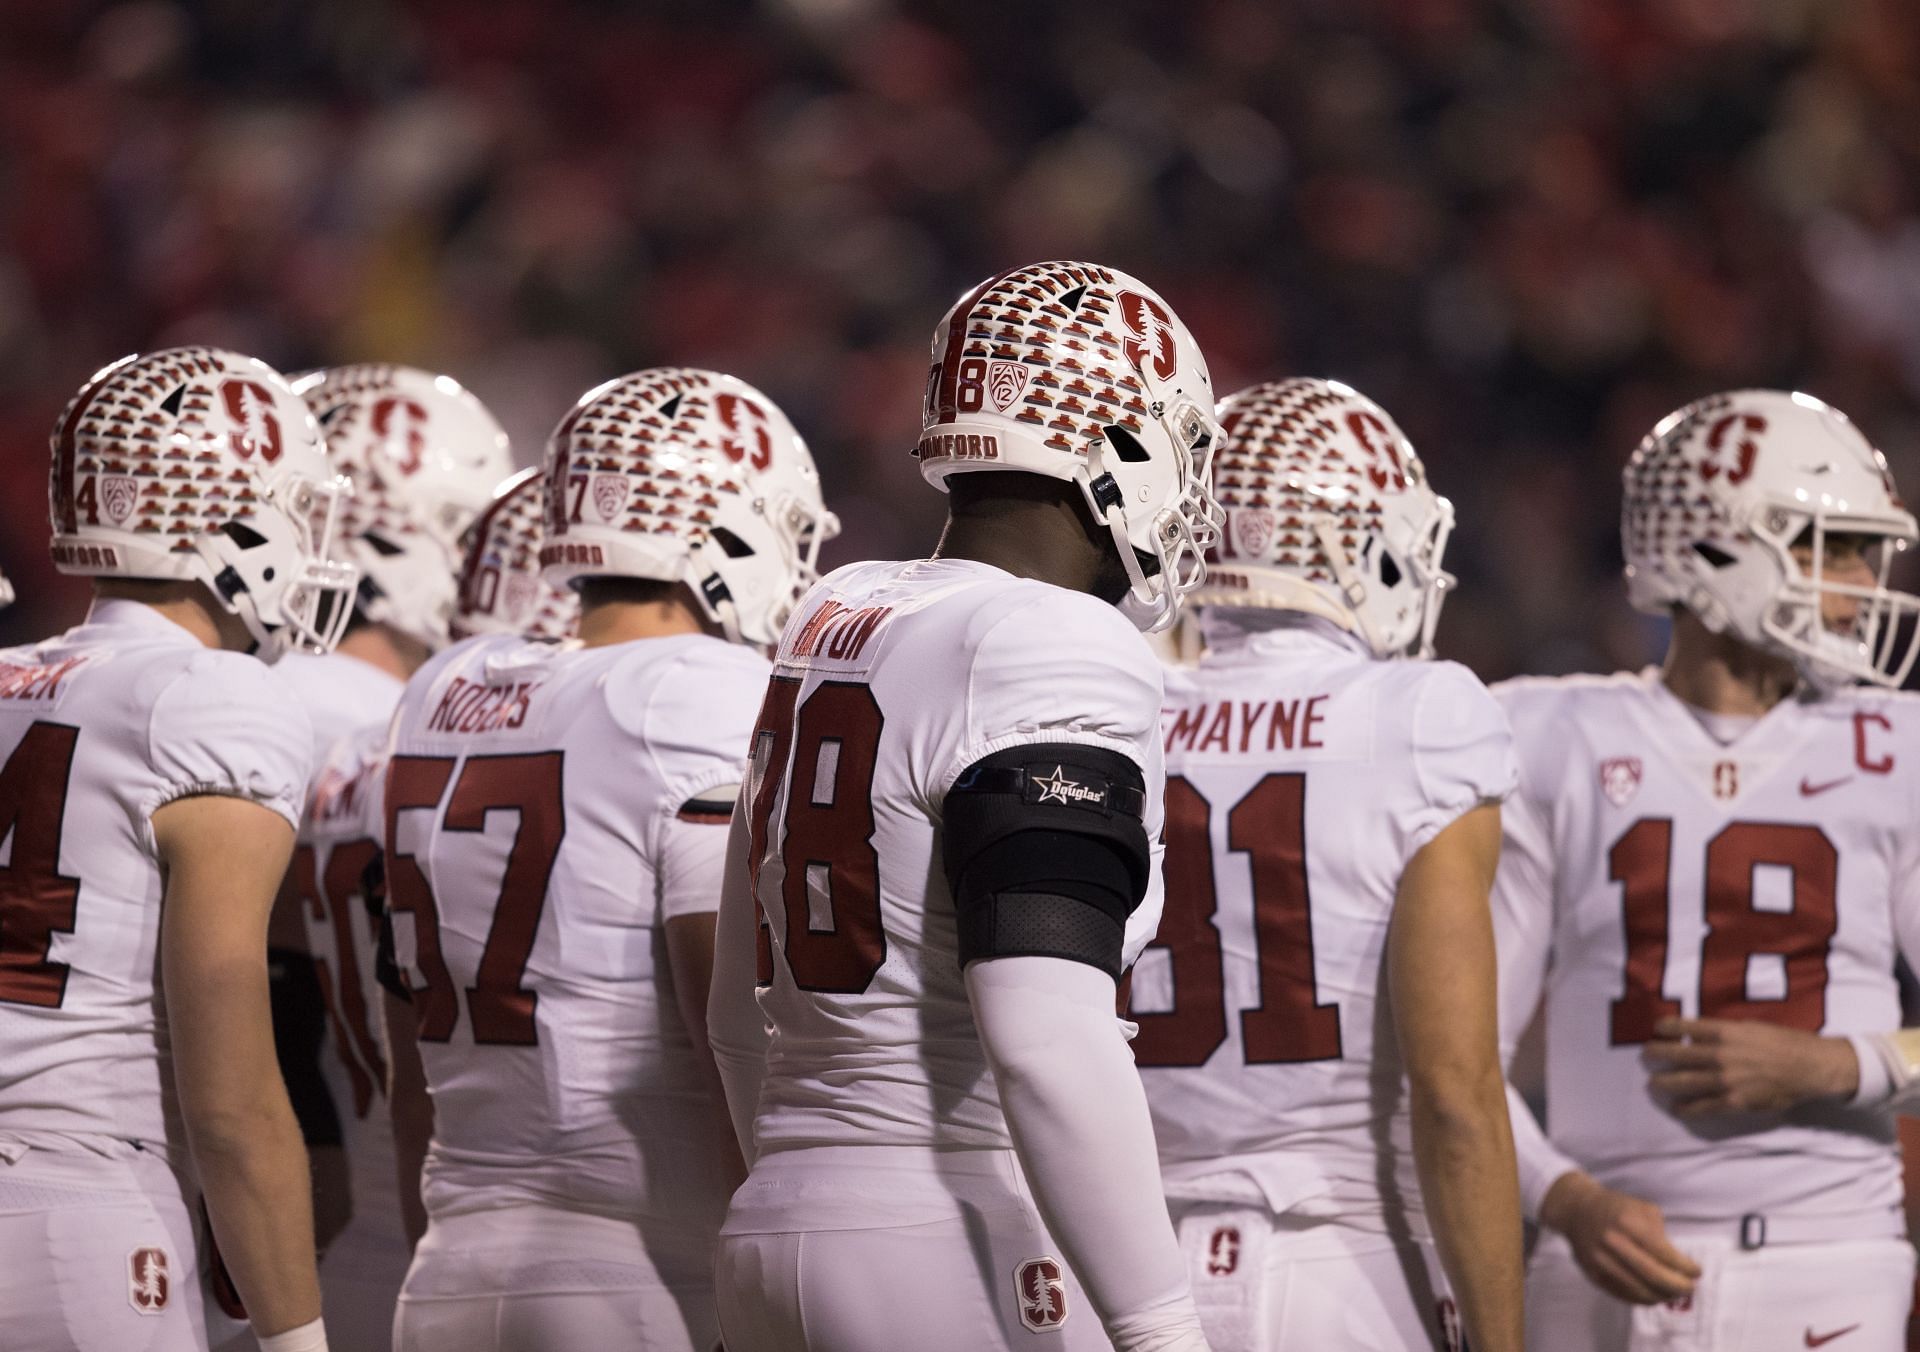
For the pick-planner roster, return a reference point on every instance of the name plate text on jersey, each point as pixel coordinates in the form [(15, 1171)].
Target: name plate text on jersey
[(1232, 727), (38, 682), (471, 706), (837, 632)]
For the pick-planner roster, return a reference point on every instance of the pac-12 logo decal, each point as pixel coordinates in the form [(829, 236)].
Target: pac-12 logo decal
[(610, 495), (1223, 1251), (255, 430), (1620, 779), (1251, 530), (1042, 1293), (119, 494), (1150, 334), (148, 1280), (1006, 382)]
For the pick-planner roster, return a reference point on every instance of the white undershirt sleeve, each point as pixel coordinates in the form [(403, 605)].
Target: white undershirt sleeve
[(1079, 1121)]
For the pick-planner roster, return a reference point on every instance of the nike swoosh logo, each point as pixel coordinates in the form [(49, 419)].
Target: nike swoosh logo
[(1822, 1339), (1807, 791)]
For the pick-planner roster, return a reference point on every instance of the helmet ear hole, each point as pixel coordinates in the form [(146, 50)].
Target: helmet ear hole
[(732, 545), (242, 534), (381, 545), (1715, 556), (1126, 445), (1389, 570)]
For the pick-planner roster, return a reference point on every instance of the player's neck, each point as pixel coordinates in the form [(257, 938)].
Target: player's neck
[(386, 649), (1039, 536), (608, 622), (1722, 675), (187, 604)]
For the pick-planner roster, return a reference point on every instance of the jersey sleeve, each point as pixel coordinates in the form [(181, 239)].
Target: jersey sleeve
[(697, 723), (1523, 906), (1462, 753), (1061, 667), (222, 726)]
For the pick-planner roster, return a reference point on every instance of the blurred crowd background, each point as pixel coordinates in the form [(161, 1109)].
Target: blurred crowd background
[(1528, 227)]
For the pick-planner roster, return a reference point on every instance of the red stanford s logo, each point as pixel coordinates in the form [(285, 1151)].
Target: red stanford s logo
[(148, 1280), (1150, 334), (401, 426), (1042, 1293), (255, 430)]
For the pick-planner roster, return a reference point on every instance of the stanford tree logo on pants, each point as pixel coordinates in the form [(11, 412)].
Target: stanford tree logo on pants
[(1042, 1293)]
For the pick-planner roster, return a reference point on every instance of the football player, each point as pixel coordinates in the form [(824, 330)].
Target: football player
[(1318, 1023), (501, 588), (1731, 837), (555, 837), (956, 790), (423, 454), (147, 756)]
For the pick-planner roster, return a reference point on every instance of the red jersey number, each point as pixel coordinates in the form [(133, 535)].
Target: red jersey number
[(1290, 1025), (827, 839), (37, 901), (1641, 862), (499, 1006)]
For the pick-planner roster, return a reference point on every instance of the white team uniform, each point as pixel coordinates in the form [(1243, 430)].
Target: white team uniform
[(1303, 776), (349, 703), (886, 1207), (361, 1271), (343, 697), (550, 808), (99, 728), (1661, 872)]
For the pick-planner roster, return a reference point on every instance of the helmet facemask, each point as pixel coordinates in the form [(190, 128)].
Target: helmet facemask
[(1163, 511), (1881, 642), (275, 571), (1394, 594)]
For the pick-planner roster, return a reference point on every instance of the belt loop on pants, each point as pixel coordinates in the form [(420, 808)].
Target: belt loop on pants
[(1753, 1232)]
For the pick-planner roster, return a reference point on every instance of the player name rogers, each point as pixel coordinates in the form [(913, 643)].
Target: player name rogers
[(959, 446), (469, 706)]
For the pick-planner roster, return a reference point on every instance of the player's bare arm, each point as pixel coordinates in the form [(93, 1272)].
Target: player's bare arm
[(690, 953), (224, 858), (1441, 970), (412, 1110)]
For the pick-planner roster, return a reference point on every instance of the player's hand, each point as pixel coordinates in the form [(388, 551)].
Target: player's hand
[(1619, 1241), (1706, 1066)]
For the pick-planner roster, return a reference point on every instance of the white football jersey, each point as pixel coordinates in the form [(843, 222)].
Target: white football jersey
[(1651, 871), (341, 694), (1302, 776), (891, 679), (548, 808), (99, 728)]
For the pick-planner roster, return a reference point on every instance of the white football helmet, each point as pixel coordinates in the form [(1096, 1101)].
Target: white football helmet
[(196, 464), (1078, 372), (423, 455), (6, 592), (1720, 492), (501, 590), (681, 475), (1329, 512)]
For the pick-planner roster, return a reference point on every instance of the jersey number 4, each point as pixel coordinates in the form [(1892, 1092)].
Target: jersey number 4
[(1737, 930), (500, 1008), (37, 901), (826, 849), (1289, 1025)]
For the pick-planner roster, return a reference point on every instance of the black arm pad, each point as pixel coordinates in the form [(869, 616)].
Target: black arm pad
[(299, 1029), (1045, 854)]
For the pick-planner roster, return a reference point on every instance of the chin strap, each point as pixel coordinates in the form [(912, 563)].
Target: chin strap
[(1347, 578)]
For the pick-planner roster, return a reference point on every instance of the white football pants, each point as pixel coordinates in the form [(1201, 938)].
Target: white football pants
[(809, 1261), (1852, 1294), (542, 1279), (97, 1252), (1267, 1284)]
